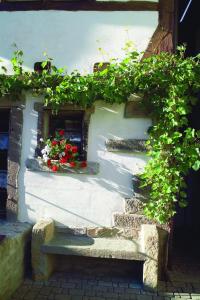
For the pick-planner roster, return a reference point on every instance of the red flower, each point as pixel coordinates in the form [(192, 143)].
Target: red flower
[(74, 149), (83, 164), (63, 160), (68, 147), (54, 168), (72, 164), (61, 132), (49, 163), (54, 143)]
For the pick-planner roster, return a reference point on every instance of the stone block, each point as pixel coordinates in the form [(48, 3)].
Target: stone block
[(126, 145), (131, 220), (42, 264), (37, 164), (135, 108), (134, 205), (12, 253), (154, 241)]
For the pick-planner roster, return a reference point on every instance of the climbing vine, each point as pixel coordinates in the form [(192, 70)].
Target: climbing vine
[(169, 85)]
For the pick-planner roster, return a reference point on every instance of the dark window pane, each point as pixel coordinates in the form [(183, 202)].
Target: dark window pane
[(4, 141), (3, 179), (72, 123), (3, 198), (4, 120), (3, 159)]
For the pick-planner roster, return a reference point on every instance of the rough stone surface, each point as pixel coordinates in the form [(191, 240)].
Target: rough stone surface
[(129, 145), (12, 251), (14, 155), (42, 264), (135, 108), (100, 232), (93, 247), (37, 164), (131, 220), (134, 205), (153, 243), (134, 221)]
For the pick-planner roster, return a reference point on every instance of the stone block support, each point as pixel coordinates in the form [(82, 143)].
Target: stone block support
[(13, 251), (154, 242), (42, 264)]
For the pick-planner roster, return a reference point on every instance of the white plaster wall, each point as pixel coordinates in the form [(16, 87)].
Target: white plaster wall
[(73, 39), (82, 200)]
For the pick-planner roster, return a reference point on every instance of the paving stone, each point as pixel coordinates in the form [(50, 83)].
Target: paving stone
[(62, 297), (76, 292), (31, 295), (45, 291), (89, 292), (135, 286), (119, 290), (144, 297), (104, 283), (56, 290), (133, 291), (67, 286), (76, 297)]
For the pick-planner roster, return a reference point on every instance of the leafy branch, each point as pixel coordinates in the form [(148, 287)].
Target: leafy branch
[(169, 84)]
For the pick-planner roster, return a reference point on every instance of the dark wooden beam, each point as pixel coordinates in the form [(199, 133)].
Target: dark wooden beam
[(79, 5), (163, 37)]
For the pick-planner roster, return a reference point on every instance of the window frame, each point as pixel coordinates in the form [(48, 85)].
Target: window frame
[(44, 114)]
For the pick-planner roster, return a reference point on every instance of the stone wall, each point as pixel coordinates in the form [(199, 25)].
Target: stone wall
[(14, 238)]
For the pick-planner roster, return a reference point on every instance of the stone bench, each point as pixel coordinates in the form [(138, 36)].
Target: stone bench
[(149, 249)]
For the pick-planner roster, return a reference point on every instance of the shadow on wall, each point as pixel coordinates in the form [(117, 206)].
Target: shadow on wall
[(101, 182)]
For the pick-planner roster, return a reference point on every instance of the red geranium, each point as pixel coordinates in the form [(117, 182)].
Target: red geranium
[(54, 168), (63, 160), (54, 143), (61, 132), (59, 151), (83, 164), (49, 162), (68, 146), (72, 164), (74, 149)]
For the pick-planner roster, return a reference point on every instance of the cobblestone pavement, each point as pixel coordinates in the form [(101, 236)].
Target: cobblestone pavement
[(69, 286)]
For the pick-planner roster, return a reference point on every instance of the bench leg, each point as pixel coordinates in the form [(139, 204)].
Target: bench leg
[(154, 246), (42, 264)]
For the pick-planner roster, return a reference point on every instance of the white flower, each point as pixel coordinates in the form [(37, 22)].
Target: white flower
[(43, 151), (45, 158), (47, 149), (60, 155), (41, 140), (63, 153)]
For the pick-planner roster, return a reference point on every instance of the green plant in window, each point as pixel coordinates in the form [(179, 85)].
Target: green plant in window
[(59, 152)]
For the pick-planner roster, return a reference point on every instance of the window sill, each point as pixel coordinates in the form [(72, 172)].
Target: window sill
[(37, 165)]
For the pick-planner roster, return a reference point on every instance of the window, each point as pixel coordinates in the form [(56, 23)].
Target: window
[(72, 123), (70, 118)]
